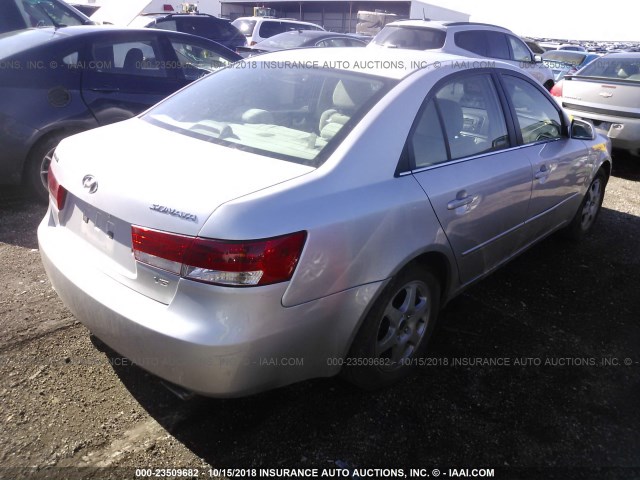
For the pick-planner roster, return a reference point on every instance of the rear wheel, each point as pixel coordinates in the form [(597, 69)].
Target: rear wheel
[(589, 209), (395, 333), (37, 168)]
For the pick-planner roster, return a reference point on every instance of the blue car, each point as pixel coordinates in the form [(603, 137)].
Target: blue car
[(57, 82)]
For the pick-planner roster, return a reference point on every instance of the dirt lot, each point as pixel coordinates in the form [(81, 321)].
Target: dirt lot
[(564, 317)]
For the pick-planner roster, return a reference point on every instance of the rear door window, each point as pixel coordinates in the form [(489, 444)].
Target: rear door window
[(269, 29), (473, 41)]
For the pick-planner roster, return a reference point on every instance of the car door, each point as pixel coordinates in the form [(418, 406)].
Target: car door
[(560, 164), (479, 187), (126, 74)]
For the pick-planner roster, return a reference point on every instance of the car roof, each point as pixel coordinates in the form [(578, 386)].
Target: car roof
[(446, 24), (291, 20), (37, 37), (389, 63), (313, 34)]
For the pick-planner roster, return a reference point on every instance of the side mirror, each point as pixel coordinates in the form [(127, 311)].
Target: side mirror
[(582, 130)]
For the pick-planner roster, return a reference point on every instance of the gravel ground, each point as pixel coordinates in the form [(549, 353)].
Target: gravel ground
[(565, 317)]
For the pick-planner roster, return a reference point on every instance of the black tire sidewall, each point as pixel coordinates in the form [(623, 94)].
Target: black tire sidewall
[(34, 162), (371, 376)]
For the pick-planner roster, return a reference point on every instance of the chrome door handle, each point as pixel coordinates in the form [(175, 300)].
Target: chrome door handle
[(459, 202)]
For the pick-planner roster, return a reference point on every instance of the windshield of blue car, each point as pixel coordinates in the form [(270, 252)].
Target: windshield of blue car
[(619, 68), (291, 113)]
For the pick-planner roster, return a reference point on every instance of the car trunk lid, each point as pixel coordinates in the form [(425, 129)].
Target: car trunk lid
[(153, 178)]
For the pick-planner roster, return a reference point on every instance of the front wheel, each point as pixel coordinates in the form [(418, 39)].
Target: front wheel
[(587, 214), (395, 333)]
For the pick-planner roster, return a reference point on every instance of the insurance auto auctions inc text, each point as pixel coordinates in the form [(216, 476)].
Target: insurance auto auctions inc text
[(377, 473)]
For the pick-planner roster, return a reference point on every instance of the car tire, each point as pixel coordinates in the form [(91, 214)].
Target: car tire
[(590, 207), (36, 171), (394, 334)]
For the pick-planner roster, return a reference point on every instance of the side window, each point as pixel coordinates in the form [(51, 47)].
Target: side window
[(473, 41), (142, 58), (521, 52), (497, 46), (197, 61), (269, 29), (426, 145), (472, 116), (336, 42), (538, 119), (288, 26), (167, 25)]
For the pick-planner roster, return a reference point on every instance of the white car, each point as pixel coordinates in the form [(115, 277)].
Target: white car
[(466, 39), (257, 29)]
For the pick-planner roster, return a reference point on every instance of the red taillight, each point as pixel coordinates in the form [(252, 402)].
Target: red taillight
[(57, 191), (556, 90), (223, 262)]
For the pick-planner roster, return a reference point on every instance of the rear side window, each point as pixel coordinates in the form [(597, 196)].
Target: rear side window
[(475, 42), (128, 58), (269, 29), (497, 45), (483, 42), (411, 38), (464, 119), (538, 119)]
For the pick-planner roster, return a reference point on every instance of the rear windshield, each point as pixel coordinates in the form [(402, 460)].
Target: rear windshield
[(244, 26), (286, 112), (413, 38), (613, 67)]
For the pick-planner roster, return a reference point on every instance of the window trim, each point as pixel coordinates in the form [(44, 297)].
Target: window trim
[(564, 129), (406, 163)]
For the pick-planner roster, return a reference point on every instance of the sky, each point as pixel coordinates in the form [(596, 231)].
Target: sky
[(598, 20)]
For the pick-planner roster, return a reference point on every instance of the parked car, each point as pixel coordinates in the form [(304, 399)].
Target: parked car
[(257, 29), (21, 14), (463, 38), (200, 24), (303, 39), (57, 82), (321, 217), (566, 62), (572, 47), (607, 93)]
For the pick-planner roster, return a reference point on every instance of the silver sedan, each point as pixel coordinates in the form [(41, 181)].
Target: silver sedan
[(309, 212)]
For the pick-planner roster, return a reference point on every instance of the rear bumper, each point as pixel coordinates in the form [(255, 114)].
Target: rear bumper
[(624, 132), (215, 341)]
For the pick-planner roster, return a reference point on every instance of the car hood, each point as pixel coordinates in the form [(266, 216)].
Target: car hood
[(117, 12), (149, 176)]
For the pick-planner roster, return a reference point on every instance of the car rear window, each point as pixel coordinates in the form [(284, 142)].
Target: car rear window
[(414, 38), (613, 67), (286, 112)]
